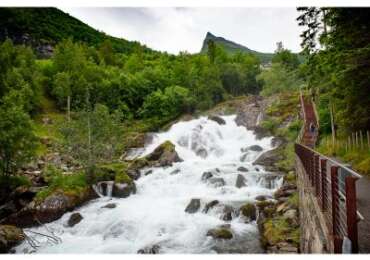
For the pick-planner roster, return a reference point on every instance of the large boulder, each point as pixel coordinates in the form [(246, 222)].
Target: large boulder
[(220, 233), (10, 236), (217, 119), (193, 206), (74, 219), (49, 209), (269, 159), (163, 155)]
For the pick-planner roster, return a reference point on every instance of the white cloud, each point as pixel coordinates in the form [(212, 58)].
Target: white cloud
[(178, 29)]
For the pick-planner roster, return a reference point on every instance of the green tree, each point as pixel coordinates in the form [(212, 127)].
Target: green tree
[(93, 137), (17, 141)]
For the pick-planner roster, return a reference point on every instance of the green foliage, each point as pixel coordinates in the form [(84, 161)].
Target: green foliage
[(72, 184), (122, 177), (278, 229), (92, 137), (278, 79), (287, 59), (339, 69), (17, 141), (356, 156), (12, 182), (167, 104)]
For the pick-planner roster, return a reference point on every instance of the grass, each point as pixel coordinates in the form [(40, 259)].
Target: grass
[(278, 229), (15, 181), (72, 184), (357, 157)]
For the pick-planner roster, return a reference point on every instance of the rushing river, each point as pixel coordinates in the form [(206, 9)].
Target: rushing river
[(155, 214)]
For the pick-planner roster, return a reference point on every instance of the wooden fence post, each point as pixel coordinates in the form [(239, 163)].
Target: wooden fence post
[(324, 192), (368, 139), (317, 174), (351, 210), (334, 197)]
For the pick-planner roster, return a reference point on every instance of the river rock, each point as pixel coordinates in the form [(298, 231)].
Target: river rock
[(269, 159), (227, 213), (254, 148), (149, 250), (220, 233), (74, 219), (249, 211), (10, 236), (193, 206), (244, 157), (260, 198), (240, 181), (164, 155), (49, 209), (201, 152), (123, 190), (217, 182), (217, 119), (206, 176), (110, 206), (242, 169), (210, 205)]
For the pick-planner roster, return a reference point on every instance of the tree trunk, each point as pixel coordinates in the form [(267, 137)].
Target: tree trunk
[(332, 123), (69, 108)]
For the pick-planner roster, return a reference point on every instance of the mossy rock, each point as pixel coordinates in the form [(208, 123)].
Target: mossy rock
[(220, 233), (123, 177), (10, 236), (248, 210), (167, 146)]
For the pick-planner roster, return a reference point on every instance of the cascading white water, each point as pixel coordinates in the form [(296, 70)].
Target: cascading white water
[(155, 214)]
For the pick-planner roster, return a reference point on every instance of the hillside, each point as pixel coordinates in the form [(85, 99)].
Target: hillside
[(232, 47), (42, 28)]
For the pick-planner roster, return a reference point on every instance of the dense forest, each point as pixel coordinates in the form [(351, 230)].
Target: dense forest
[(336, 43)]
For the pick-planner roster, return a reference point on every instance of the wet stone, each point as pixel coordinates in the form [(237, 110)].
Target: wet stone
[(110, 206), (74, 219), (242, 169), (217, 182), (193, 206), (240, 181), (210, 205), (206, 176)]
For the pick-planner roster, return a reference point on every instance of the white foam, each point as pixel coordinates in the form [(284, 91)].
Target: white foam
[(155, 215)]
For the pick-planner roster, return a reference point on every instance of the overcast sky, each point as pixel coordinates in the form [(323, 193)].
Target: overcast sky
[(183, 29)]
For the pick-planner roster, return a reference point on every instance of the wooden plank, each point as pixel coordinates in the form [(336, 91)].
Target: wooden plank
[(351, 210), (324, 191)]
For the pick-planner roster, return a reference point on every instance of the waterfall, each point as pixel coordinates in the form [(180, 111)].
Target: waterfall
[(155, 216), (104, 188)]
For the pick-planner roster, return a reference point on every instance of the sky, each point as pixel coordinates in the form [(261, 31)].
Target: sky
[(174, 29)]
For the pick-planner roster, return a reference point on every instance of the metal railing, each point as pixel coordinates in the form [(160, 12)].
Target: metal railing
[(334, 187)]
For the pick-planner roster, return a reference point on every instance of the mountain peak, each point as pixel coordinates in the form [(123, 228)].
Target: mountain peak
[(232, 47)]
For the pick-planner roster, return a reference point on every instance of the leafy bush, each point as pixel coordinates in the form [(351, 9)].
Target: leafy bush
[(72, 183)]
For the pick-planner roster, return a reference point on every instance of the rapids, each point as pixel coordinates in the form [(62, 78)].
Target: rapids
[(155, 214)]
